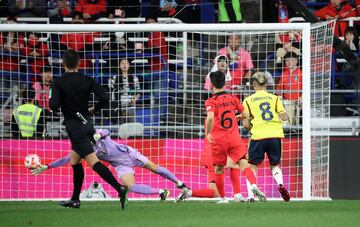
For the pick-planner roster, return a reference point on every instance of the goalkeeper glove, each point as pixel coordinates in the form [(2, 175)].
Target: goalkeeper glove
[(97, 137), (39, 170)]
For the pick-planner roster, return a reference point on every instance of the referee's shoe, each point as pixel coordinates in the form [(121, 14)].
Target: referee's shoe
[(70, 203)]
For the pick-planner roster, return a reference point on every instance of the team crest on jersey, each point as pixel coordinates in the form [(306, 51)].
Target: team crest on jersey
[(208, 108), (296, 78)]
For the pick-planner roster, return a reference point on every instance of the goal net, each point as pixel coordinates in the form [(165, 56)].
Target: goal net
[(155, 76)]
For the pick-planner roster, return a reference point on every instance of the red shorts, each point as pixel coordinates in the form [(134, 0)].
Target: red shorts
[(234, 149), (206, 161)]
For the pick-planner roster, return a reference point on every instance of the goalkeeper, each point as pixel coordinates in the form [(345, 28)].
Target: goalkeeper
[(123, 158)]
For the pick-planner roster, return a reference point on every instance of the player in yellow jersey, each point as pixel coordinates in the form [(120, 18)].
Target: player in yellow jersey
[(266, 115)]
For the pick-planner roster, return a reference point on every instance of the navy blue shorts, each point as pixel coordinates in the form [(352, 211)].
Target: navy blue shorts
[(258, 148)]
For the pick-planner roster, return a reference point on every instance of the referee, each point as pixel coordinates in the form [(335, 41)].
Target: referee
[(72, 92)]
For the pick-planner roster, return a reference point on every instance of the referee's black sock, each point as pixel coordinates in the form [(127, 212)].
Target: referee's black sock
[(78, 179), (106, 174)]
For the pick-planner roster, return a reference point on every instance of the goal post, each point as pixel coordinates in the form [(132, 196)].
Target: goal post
[(169, 130)]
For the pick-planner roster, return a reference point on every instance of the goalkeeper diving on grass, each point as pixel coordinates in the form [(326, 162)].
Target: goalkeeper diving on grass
[(123, 158)]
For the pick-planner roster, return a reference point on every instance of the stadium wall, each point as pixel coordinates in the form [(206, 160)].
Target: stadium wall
[(344, 168), (18, 183)]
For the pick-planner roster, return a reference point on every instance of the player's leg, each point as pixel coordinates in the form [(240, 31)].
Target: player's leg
[(235, 180), (274, 154), (164, 172), (104, 172), (129, 180), (248, 172), (78, 178)]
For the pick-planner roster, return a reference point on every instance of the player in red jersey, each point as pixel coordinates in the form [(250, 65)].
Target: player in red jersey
[(223, 135)]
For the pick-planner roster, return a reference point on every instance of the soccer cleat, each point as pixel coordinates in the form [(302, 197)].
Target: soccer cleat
[(123, 196), (250, 200), (183, 187), (164, 194), (284, 193), (186, 193), (258, 193), (223, 201), (70, 203), (239, 198)]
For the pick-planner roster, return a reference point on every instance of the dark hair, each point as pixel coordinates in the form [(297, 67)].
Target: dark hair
[(356, 36), (152, 16), (291, 54), (71, 59), (217, 79), (46, 68), (28, 94)]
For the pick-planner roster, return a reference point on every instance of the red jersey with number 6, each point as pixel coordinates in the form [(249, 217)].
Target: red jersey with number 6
[(225, 124)]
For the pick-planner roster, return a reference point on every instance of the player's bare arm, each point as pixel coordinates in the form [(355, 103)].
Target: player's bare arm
[(209, 124), (284, 116), (246, 120)]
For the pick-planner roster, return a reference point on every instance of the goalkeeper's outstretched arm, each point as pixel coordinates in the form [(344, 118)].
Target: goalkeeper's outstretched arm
[(58, 163)]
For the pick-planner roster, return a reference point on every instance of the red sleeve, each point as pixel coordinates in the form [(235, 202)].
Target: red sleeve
[(347, 9), (64, 39), (101, 6), (80, 5), (322, 12), (210, 105), (357, 2), (44, 50), (279, 86)]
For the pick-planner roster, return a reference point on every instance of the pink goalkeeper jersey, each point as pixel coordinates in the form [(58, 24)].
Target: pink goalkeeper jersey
[(245, 63)]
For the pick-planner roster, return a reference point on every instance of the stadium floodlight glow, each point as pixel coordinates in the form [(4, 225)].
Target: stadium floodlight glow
[(170, 110)]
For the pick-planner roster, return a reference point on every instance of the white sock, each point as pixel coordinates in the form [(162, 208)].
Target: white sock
[(277, 174), (250, 193), (179, 183)]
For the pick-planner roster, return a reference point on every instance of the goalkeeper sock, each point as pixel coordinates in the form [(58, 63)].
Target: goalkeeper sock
[(249, 174), (106, 174), (166, 174), (78, 178), (277, 174), (235, 180), (219, 181), (144, 189), (203, 193)]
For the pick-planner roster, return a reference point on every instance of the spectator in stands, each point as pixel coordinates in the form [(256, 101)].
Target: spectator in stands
[(79, 41), (229, 11), (27, 119), (36, 51), (168, 8), (91, 10), (241, 69), (337, 9), (221, 63), (27, 8), (287, 42), (59, 8), (157, 45), (123, 8), (11, 43), (42, 89), (352, 38), (291, 83), (123, 94)]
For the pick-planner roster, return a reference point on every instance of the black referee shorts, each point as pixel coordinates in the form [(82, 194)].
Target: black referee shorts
[(80, 136), (258, 148)]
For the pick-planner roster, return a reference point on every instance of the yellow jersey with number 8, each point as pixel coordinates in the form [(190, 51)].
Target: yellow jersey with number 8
[(264, 109)]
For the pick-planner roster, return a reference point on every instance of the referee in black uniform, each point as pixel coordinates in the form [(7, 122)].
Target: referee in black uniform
[(72, 92)]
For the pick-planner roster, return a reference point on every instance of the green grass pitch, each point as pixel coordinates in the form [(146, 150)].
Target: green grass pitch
[(339, 213)]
